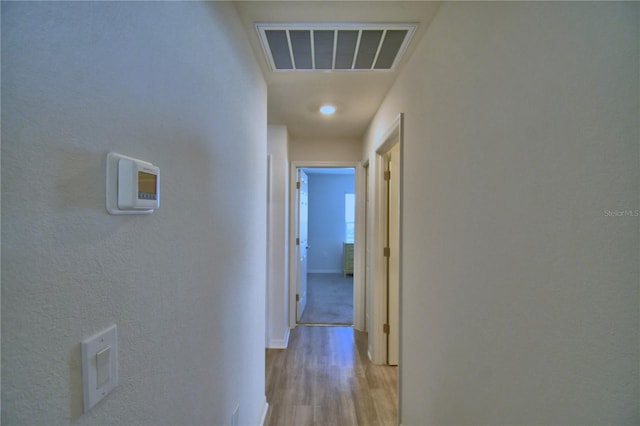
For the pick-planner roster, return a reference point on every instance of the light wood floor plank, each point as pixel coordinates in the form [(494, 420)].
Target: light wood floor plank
[(324, 378)]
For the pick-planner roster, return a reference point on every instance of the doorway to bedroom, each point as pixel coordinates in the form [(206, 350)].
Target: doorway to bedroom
[(329, 194)]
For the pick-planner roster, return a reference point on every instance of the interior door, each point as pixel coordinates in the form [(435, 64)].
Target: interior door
[(393, 295), (303, 232)]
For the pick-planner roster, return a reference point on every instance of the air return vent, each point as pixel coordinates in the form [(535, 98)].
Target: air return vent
[(334, 47)]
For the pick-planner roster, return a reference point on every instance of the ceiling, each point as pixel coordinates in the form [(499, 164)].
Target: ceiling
[(294, 98)]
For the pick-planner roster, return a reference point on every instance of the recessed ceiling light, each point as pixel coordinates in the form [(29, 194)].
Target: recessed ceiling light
[(327, 109)]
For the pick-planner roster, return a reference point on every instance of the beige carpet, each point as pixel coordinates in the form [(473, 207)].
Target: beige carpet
[(329, 300)]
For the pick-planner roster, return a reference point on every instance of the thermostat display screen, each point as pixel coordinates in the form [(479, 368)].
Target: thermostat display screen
[(133, 186), (147, 186)]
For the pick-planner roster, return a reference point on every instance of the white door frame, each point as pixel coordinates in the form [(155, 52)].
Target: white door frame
[(358, 249), (301, 301), (377, 336)]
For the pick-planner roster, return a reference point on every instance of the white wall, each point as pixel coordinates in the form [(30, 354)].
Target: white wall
[(327, 220), (520, 292), (175, 84), (278, 244), (301, 149)]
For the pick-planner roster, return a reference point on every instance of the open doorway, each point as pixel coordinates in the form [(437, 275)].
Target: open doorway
[(298, 281), (326, 233)]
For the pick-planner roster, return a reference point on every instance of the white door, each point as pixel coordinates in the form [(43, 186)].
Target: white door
[(303, 232), (394, 256)]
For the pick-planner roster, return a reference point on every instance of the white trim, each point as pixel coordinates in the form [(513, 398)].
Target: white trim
[(279, 343), (335, 49), (382, 38), (312, 42), (363, 212), (391, 135), (293, 59), (324, 271), (400, 124), (293, 252), (359, 264), (356, 52), (263, 413), (358, 284), (268, 298), (377, 337)]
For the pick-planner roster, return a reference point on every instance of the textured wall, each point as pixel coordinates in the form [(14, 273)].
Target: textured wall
[(326, 220), (278, 249), (325, 150), (520, 293), (175, 84)]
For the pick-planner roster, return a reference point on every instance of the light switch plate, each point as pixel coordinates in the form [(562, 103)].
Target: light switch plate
[(99, 366)]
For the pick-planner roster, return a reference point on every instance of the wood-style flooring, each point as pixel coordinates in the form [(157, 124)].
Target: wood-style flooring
[(324, 377)]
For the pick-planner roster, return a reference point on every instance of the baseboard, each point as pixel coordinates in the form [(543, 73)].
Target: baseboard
[(265, 410), (324, 271), (280, 343)]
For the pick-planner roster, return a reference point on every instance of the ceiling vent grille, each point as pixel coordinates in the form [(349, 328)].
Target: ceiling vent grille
[(334, 47)]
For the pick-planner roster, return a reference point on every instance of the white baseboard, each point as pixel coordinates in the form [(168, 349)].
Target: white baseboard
[(279, 343), (324, 271), (263, 414)]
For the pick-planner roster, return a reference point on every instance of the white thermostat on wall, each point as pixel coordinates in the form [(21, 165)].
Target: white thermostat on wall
[(133, 186)]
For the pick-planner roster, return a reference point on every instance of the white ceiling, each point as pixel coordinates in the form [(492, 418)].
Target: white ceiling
[(294, 98)]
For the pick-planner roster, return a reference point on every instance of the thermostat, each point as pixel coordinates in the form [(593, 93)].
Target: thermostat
[(133, 186)]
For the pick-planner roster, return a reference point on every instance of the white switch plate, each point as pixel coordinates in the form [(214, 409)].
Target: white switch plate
[(99, 352)]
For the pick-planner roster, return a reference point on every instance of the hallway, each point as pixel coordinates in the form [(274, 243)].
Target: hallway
[(324, 377), (518, 221)]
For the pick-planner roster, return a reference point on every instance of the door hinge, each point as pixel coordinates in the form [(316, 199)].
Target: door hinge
[(387, 175), (387, 252), (297, 297), (385, 328), (297, 241), (297, 185)]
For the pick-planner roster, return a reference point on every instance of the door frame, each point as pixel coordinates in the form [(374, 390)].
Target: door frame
[(358, 249), (302, 300), (391, 241), (379, 304)]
